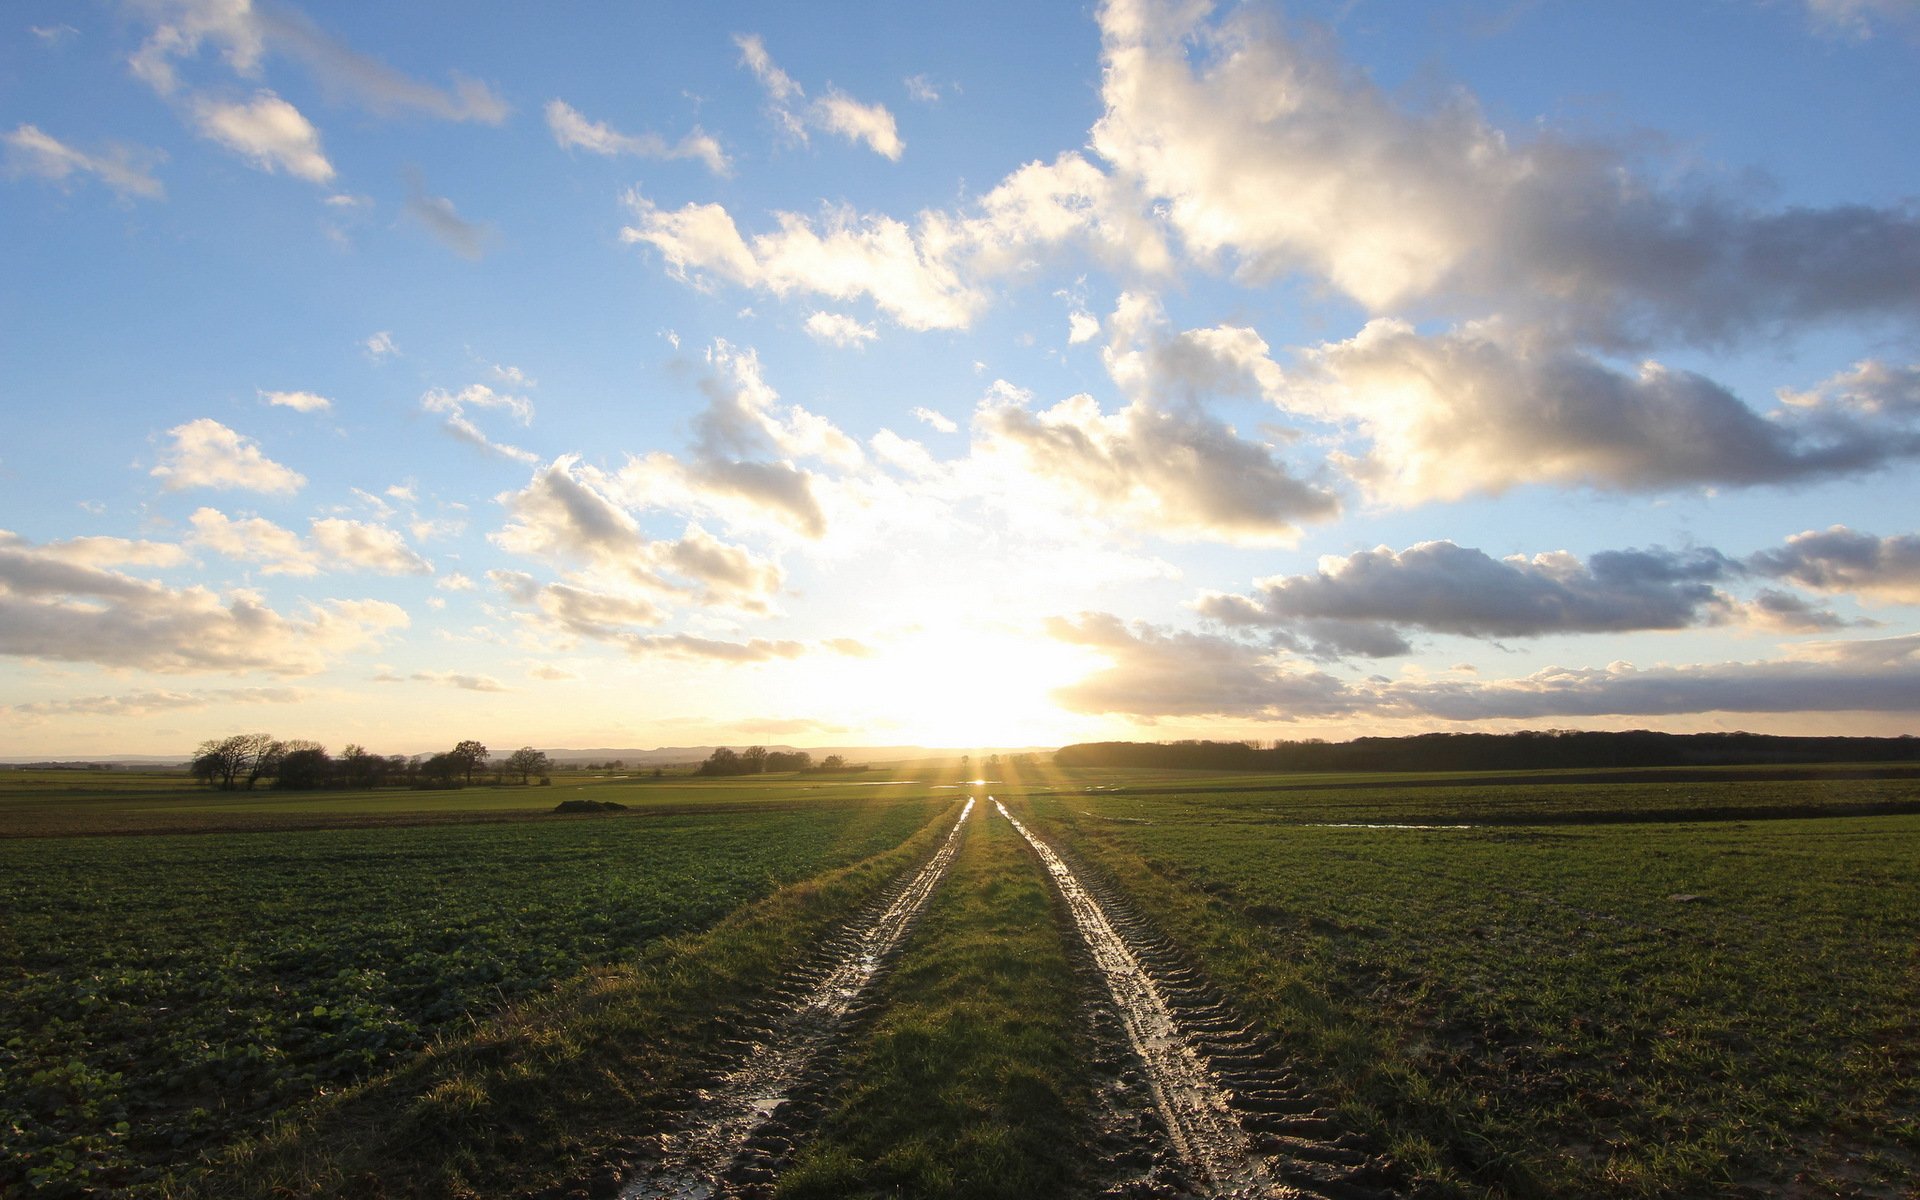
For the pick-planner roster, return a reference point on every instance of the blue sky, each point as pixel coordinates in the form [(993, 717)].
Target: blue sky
[(1005, 374)]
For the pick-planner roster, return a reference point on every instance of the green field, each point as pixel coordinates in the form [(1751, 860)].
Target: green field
[(1578, 985), (1582, 1006), (162, 995)]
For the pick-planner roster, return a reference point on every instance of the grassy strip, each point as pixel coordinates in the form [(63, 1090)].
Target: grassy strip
[(541, 1093), (972, 1081), (1617, 1011)]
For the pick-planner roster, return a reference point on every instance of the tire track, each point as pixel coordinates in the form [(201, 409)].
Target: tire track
[(1240, 1124), (740, 1126)]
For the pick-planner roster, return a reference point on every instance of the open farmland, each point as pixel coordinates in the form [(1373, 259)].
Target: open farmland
[(1587, 984), (1566, 1002), (161, 995)]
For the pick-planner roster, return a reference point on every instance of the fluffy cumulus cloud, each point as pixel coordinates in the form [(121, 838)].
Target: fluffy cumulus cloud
[(127, 172), (298, 401), (269, 132), (931, 274), (53, 607), (1361, 604), (575, 132), (1439, 210), (834, 112), (567, 514), (207, 454), (623, 620), (1153, 673), (1839, 559), (1176, 471), (745, 463), (1483, 409), (838, 329), (332, 543)]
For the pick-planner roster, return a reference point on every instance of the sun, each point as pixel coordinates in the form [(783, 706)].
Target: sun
[(961, 684)]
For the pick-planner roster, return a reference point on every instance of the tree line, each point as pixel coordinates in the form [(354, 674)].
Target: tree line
[(246, 760), (756, 760), (1525, 750)]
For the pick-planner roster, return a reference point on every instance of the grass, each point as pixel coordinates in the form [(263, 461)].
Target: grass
[(1653, 1008), (541, 1093), (160, 996), (971, 1081)]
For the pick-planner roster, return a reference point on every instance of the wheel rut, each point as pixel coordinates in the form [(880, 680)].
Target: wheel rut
[(1236, 1121), (742, 1127)]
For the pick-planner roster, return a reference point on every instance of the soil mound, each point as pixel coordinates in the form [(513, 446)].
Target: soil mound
[(589, 806)]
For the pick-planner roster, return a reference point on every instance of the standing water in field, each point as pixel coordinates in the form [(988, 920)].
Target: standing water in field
[(726, 1143)]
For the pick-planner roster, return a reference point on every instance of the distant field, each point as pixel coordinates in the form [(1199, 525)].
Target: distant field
[(64, 803), (159, 995), (1589, 1005)]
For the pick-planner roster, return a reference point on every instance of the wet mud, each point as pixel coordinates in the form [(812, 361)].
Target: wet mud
[(1201, 1104), (742, 1128)]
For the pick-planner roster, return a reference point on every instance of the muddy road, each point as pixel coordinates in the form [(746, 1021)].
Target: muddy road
[(1238, 1123), (737, 1132)]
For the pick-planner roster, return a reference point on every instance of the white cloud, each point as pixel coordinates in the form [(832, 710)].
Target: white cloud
[(742, 466), (1174, 471), (331, 543), (253, 539), (568, 514), (927, 275), (1483, 409), (64, 611), (573, 131), (923, 89), (835, 112), (100, 551), (1269, 152), (298, 401), (380, 345), (455, 581), (838, 329), (939, 421), (267, 130), (477, 395), (453, 406), (128, 172), (1082, 327), (360, 545), (244, 34), (207, 454)]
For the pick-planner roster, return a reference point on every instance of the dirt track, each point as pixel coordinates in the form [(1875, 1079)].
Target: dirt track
[(1239, 1123), (736, 1134)]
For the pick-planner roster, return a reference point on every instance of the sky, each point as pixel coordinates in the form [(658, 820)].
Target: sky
[(955, 375)]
